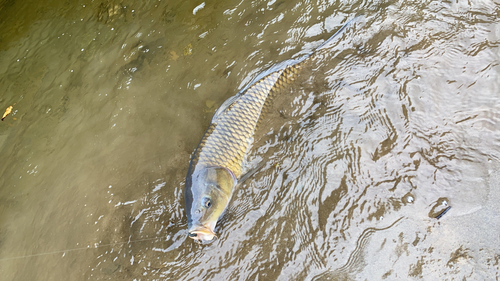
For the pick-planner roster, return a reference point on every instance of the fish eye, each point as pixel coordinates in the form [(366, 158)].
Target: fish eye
[(207, 202)]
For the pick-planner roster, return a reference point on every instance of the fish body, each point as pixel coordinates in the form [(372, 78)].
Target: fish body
[(216, 165)]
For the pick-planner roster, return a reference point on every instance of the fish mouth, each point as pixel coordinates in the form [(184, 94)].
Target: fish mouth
[(202, 233)]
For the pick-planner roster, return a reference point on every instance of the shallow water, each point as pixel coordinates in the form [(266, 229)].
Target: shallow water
[(400, 120)]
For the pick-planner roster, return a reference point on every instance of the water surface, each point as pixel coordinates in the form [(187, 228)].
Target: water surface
[(397, 122)]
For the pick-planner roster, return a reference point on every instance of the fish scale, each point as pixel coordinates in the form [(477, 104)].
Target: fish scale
[(230, 134), (237, 122)]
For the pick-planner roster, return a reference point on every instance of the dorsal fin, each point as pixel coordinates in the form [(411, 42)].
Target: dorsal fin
[(225, 105)]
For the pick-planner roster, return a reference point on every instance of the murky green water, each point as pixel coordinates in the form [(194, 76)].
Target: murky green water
[(399, 121)]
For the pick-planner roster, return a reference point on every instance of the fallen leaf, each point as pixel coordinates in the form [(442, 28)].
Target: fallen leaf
[(174, 55), (210, 103), (188, 50), (210, 106), (7, 112)]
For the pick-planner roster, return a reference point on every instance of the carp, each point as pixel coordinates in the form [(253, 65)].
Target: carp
[(217, 163)]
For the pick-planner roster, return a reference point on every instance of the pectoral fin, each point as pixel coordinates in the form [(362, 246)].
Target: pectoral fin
[(250, 172)]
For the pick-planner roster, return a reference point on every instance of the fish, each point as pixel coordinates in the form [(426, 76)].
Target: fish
[(216, 165)]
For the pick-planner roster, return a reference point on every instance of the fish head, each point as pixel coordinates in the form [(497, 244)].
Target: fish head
[(207, 194)]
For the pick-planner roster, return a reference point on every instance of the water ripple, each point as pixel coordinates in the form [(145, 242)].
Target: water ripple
[(400, 118)]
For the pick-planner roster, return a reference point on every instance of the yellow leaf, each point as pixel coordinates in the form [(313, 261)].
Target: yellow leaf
[(188, 50), (7, 112)]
